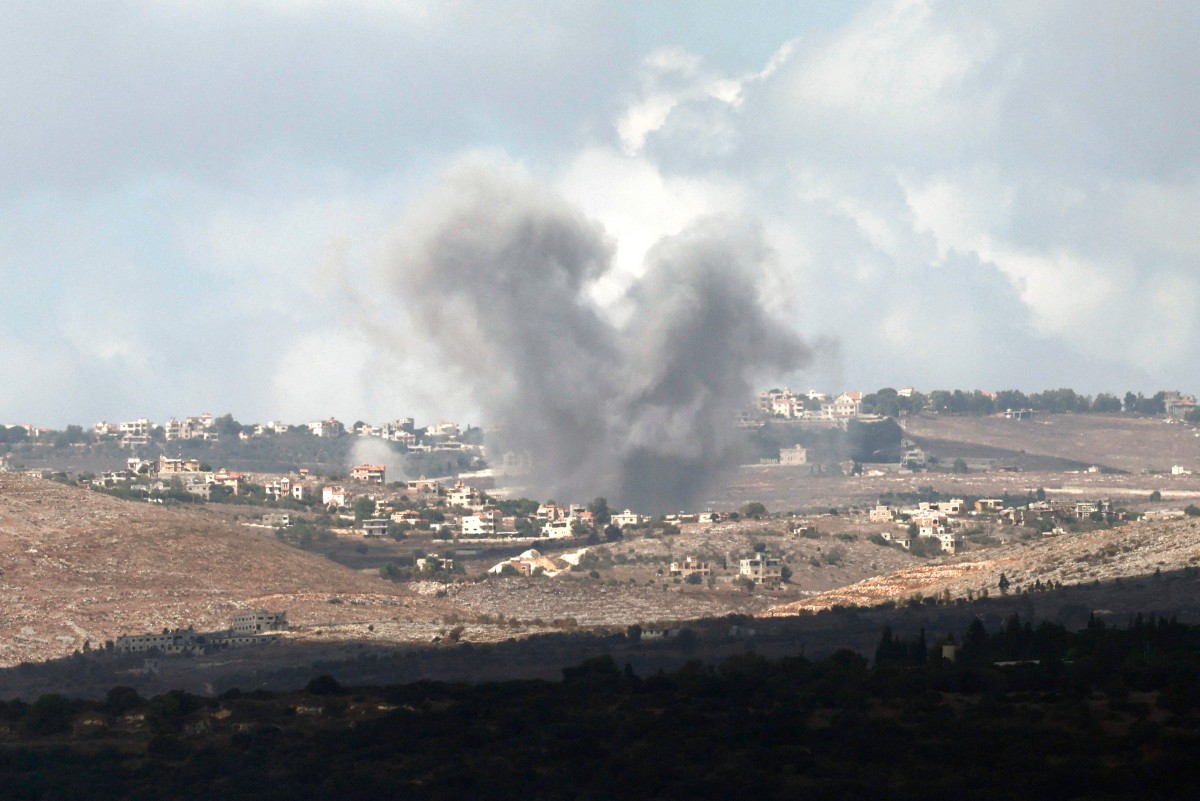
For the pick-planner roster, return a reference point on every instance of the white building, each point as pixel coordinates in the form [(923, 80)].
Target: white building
[(558, 529), (482, 524), (628, 518), (793, 456)]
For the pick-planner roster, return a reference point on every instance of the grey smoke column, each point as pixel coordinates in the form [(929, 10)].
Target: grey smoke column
[(499, 268)]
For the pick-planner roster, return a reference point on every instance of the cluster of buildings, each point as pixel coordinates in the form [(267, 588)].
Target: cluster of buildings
[(811, 405), (943, 520), (165, 474), (931, 519), (760, 568), (445, 436)]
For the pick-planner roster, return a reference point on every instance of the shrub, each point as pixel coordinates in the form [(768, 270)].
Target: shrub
[(834, 555)]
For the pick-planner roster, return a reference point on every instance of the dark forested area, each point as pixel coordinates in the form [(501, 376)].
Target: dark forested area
[(1022, 711)]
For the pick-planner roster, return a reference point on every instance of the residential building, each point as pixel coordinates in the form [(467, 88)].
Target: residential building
[(793, 456), (690, 566), (445, 429), (848, 404), (628, 518), (485, 523), (231, 481), (278, 489), (368, 473), (424, 486), (882, 513), (462, 495), (329, 427), (558, 529), (261, 620), (169, 642), (763, 570), (168, 466), (1176, 404), (375, 527), (337, 496)]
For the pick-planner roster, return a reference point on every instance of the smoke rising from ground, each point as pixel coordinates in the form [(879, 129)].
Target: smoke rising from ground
[(369, 450), (496, 270)]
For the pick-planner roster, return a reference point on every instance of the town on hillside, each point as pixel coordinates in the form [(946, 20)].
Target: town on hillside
[(457, 522)]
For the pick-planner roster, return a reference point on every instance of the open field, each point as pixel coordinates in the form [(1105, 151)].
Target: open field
[(1119, 442), (794, 488)]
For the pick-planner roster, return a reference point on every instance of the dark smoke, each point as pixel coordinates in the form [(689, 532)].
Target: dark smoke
[(497, 269)]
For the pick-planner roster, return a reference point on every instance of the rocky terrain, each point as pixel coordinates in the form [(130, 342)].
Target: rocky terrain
[(1137, 549)]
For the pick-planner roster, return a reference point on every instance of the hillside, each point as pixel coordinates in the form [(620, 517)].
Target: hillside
[(76, 565), (1138, 549), (1118, 442)]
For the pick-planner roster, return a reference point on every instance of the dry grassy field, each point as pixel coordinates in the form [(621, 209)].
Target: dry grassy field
[(1117, 442)]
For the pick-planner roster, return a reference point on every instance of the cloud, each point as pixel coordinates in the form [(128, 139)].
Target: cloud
[(191, 194), (1011, 151)]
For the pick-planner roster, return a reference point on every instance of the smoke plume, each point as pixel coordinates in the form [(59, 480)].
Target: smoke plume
[(497, 270), (369, 450)]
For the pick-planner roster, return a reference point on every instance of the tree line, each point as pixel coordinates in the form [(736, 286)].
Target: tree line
[(889, 403), (1026, 711)]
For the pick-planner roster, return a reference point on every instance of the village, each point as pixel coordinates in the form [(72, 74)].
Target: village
[(467, 527)]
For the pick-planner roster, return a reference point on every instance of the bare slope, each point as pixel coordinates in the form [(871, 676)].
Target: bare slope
[(1137, 549), (1117, 441), (77, 565)]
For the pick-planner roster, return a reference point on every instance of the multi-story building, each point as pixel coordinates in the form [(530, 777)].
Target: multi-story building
[(762, 569), (368, 473)]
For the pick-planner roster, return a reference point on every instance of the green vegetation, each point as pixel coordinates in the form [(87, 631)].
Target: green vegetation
[(1034, 712), (754, 510), (888, 403)]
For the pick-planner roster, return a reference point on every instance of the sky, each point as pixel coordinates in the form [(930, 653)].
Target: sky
[(199, 201)]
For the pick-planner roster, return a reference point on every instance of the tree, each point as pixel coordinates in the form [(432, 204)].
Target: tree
[(1004, 584), (69, 436), (1155, 496), (226, 426), (364, 508), (601, 514), (13, 434), (959, 466), (754, 509)]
